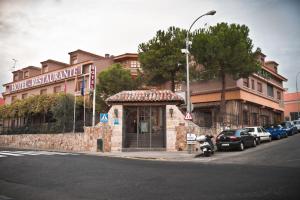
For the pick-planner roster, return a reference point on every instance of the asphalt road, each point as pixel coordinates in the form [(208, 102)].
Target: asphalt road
[(270, 171)]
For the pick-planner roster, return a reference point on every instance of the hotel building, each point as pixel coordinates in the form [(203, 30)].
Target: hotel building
[(54, 76), (256, 100)]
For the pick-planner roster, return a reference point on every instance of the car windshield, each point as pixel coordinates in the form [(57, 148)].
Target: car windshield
[(264, 130), (250, 129), (228, 132), (278, 126), (284, 124)]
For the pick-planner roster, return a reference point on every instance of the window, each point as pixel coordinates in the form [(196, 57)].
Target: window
[(278, 95), (45, 68), (252, 84), (135, 64), (259, 87), (26, 74), (270, 90), (13, 98), (259, 130), (178, 87), (24, 96), (43, 91), (57, 89), (86, 69), (74, 60), (295, 115), (79, 85), (16, 77), (245, 117), (246, 82), (254, 118)]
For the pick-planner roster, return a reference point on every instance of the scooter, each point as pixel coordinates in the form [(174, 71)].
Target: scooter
[(206, 144)]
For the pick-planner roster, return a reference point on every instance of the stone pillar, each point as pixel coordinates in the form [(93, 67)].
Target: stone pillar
[(117, 128), (171, 123)]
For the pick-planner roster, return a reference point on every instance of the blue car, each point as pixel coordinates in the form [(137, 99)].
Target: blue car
[(289, 128), (277, 131)]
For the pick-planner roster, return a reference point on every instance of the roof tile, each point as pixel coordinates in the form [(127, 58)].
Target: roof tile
[(145, 96)]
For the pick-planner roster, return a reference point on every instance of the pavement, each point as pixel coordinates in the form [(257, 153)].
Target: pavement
[(262, 154)]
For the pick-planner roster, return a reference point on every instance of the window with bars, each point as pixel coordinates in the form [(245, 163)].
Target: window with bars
[(259, 86), (57, 89)]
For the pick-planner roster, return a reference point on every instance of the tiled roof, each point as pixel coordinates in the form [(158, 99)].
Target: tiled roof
[(145, 96)]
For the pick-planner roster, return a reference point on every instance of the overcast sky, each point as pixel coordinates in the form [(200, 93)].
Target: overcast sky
[(32, 31)]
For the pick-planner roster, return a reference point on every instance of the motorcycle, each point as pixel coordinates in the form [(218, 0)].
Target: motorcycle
[(206, 144)]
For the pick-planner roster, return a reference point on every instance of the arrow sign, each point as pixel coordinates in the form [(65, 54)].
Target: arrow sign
[(188, 116)]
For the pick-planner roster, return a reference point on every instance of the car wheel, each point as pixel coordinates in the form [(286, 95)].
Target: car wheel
[(241, 147), (257, 140), (254, 143), (278, 137)]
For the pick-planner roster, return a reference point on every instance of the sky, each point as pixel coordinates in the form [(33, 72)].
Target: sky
[(32, 31)]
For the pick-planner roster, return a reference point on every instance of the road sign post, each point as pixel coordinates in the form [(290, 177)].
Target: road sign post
[(189, 117)]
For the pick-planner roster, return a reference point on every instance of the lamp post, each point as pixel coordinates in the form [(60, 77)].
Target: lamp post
[(188, 43), (298, 95)]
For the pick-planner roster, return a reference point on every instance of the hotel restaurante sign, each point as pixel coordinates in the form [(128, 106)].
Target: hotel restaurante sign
[(46, 78)]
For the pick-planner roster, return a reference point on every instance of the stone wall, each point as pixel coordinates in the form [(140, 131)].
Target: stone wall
[(77, 142)]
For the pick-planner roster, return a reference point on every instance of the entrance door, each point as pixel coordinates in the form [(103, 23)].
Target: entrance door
[(144, 127)]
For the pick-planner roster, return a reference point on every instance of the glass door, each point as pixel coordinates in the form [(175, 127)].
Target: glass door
[(144, 127)]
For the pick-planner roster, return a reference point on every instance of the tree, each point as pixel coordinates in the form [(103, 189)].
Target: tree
[(111, 81), (161, 58), (62, 109), (225, 50)]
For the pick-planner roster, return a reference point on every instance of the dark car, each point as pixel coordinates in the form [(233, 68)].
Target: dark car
[(289, 128), (235, 139)]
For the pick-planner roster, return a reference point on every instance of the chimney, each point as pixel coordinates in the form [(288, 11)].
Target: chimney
[(106, 55)]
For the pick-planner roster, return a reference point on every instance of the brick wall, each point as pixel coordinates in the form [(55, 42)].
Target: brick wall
[(86, 141)]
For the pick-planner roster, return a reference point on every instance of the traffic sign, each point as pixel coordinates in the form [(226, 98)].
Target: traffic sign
[(191, 138), (104, 117), (188, 116)]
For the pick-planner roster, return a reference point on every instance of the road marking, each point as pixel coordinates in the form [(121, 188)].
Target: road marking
[(10, 154), (33, 153)]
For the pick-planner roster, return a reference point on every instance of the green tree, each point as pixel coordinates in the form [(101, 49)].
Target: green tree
[(63, 110), (111, 81), (225, 50), (161, 58)]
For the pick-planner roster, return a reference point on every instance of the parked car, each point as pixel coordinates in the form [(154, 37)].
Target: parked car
[(277, 131), (289, 127), (297, 124), (260, 134), (235, 139)]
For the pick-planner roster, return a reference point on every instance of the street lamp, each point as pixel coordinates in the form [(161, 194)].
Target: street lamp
[(188, 43), (186, 51), (298, 95)]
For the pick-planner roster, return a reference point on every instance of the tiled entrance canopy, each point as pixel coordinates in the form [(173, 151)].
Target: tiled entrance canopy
[(145, 96)]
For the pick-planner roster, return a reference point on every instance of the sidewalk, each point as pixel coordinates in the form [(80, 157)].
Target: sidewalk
[(154, 155)]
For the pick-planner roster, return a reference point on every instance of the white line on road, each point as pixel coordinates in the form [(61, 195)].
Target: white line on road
[(10, 154)]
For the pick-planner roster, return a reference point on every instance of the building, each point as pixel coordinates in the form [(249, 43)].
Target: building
[(257, 100), (291, 105), (2, 102), (54, 76)]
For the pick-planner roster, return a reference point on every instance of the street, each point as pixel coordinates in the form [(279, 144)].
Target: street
[(269, 171)]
